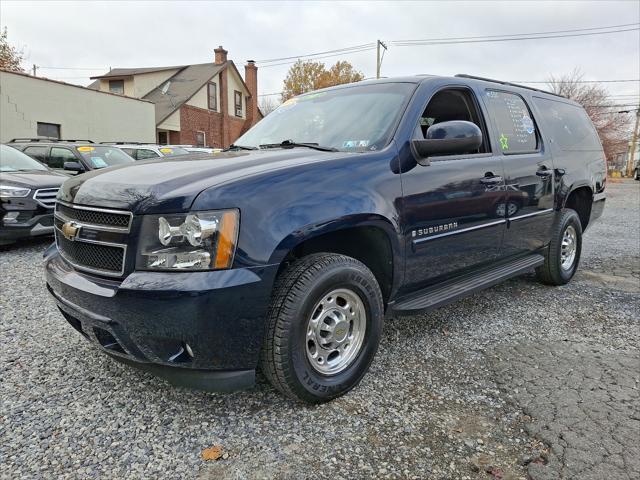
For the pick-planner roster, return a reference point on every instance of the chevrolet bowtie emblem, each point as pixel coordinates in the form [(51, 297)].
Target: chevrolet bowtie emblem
[(70, 230)]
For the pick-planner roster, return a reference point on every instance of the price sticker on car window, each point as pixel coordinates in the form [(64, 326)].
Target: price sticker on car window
[(86, 149), (166, 150)]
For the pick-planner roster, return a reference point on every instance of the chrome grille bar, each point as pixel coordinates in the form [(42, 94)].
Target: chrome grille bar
[(46, 197)]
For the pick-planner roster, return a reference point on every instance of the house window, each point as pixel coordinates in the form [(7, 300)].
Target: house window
[(200, 139), (237, 103), (212, 95), (116, 86), (49, 130)]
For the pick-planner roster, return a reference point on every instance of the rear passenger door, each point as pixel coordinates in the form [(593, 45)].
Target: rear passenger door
[(529, 172), (58, 157)]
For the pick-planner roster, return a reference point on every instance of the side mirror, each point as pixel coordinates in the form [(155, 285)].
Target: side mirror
[(448, 138), (73, 167)]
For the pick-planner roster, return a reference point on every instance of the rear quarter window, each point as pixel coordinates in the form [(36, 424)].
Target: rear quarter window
[(566, 125)]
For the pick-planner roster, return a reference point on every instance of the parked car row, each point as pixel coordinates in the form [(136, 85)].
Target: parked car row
[(32, 170)]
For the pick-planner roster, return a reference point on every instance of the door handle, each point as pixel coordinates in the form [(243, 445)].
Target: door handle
[(491, 180)]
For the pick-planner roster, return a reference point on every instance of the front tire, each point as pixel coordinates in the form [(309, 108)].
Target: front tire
[(323, 328), (563, 253)]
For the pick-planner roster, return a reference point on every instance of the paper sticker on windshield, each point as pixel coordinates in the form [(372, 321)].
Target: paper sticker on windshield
[(166, 150), (527, 124), (98, 162), (86, 149), (355, 144)]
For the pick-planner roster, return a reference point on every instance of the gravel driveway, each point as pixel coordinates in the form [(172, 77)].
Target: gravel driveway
[(518, 380)]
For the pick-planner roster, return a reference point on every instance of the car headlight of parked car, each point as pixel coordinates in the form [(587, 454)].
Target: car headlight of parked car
[(11, 191), (188, 241)]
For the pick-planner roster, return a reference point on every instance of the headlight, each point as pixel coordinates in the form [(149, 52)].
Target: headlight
[(9, 191), (188, 241)]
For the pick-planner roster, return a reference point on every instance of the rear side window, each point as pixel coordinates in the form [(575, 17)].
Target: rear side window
[(568, 126), (144, 153), (131, 152), (58, 156), (515, 127), (38, 153)]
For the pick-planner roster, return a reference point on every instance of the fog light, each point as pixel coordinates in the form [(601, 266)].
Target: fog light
[(10, 218)]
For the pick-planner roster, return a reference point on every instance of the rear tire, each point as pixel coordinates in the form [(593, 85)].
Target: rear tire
[(323, 327), (563, 253)]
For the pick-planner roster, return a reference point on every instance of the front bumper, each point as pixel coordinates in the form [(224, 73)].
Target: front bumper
[(36, 226), (198, 329)]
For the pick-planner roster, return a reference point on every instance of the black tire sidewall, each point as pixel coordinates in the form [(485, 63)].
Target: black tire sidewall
[(311, 382), (570, 218)]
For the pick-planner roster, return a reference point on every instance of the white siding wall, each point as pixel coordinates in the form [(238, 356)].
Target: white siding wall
[(172, 122), (80, 112), (235, 83), (200, 99), (145, 82)]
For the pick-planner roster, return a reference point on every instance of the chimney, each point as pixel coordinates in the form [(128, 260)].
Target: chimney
[(251, 79), (221, 55)]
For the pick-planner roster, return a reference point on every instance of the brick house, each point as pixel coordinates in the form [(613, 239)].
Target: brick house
[(207, 104)]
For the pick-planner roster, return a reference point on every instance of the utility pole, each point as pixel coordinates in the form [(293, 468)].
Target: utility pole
[(378, 57), (634, 143), (35, 70)]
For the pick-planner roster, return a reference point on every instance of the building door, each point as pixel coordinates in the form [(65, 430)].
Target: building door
[(451, 208), (163, 138)]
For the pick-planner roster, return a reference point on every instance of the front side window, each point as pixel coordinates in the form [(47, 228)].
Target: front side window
[(39, 153), (212, 95), (238, 103), (515, 127), (453, 104), (49, 130), (116, 86), (144, 153), (12, 160), (356, 118), (58, 156)]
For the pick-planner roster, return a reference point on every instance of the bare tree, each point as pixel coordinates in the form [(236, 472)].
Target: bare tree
[(612, 126), (268, 104)]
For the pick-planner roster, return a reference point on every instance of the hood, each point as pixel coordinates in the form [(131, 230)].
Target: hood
[(171, 184), (33, 179)]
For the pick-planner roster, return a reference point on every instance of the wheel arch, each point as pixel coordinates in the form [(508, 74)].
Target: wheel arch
[(580, 199), (371, 239)]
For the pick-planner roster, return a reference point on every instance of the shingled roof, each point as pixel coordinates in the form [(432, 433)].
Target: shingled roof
[(181, 87)]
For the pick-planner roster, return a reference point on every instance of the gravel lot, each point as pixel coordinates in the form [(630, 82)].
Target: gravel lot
[(520, 380)]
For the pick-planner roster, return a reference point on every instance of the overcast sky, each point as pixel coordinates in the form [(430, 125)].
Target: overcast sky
[(100, 35)]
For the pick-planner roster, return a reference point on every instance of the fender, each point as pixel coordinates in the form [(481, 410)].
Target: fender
[(564, 194)]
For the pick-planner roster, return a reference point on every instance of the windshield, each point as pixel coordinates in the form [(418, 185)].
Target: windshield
[(166, 151), (101, 157), (358, 118), (12, 160)]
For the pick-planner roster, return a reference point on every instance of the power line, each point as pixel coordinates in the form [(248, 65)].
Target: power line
[(355, 47), (74, 68), (507, 39), (367, 49), (518, 34)]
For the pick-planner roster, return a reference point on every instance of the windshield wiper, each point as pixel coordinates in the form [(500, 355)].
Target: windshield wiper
[(233, 146), (291, 144)]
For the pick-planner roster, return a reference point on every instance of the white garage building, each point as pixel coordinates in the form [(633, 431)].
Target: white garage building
[(38, 107)]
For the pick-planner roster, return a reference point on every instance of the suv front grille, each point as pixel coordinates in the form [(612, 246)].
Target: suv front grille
[(94, 216), (46, 197), (93, 239), (106, 259)]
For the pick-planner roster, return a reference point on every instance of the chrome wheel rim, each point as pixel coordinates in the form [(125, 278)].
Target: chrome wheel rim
[(335, 331), (568, 248), (500, 210), (512, 208)]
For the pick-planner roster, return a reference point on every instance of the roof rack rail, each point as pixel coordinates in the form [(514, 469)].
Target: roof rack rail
[(126, 143), (37, 139), (511, 84)]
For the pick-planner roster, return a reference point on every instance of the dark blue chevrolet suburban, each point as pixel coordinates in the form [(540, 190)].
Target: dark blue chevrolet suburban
[(343, 206)]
